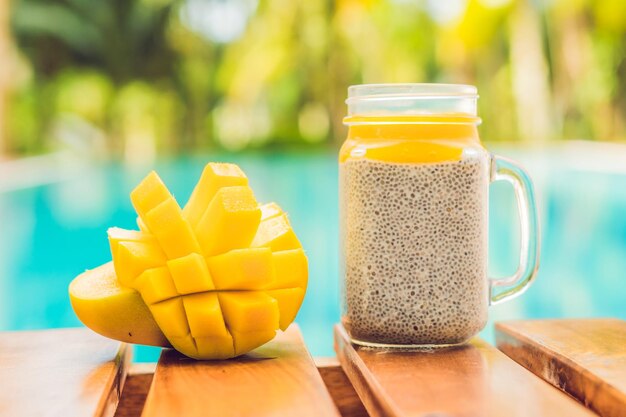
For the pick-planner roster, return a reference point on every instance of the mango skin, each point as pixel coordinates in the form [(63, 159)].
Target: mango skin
[(117, 312)]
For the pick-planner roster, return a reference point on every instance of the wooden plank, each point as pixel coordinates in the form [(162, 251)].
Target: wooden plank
[(341, 390), (346, 399), (65, 373), (584, 357), (277, 379), (135, 390), (471, 380)]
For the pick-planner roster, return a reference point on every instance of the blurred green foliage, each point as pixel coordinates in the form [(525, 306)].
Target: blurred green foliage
[(141, 76)]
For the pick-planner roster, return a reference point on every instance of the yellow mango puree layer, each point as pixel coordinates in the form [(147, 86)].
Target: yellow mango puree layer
[(409, 139)]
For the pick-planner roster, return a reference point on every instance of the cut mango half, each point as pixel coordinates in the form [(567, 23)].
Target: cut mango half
[(214, 279)]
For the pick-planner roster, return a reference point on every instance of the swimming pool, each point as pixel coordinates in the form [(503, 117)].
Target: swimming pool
[(51, 232)]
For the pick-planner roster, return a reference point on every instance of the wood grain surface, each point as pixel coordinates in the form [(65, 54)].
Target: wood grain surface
[(65, 373), (471, 380), (341, 390), (346, 399), (135, 389), (277, 379), (584, 357)]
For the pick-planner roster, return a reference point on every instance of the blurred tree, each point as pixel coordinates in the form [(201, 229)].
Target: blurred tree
[(146, 76), (5, 71), (123, 38)]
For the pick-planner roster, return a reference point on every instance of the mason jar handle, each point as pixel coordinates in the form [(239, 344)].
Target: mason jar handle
[(503, 169)]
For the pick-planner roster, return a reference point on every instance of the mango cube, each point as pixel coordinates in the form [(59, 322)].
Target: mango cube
[(117, 235), (191, 274), (186, 344), (242, 269), (276, 233), (249, 311), (270, 210), (291, 269), (156, 285), (205, 315), (214, 176), (149, 193), (171, 318), (245, 342), (132, 258), (289, 302), (172, 231), (215, 347), (230, 221)]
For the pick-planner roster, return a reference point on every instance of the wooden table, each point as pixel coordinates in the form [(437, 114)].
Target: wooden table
[(585, 357), (85, 377), (64, 373), (473, 380)]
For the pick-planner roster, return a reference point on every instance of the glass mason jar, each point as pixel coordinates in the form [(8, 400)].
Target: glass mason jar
[(414, 183)]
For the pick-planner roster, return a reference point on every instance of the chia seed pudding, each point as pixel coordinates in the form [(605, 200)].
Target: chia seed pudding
[(415, 251)]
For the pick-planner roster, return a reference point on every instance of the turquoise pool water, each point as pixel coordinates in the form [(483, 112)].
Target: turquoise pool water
[(50, 233)]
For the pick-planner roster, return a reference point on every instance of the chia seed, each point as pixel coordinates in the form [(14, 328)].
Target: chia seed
[(414, 250)]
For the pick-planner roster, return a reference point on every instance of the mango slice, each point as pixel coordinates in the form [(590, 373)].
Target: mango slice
[(230, 221), (190, 274), (249, 311), (291, 269), (205, 315), (186, 344), (242, 269), (113, 310), (270, 210), (172, 231), (132, 258), (214, 177), (276, 233), (219, 347), (117, 235), (289, 301), (171, 318), (214, 280), (155, 285), (148, 194), (245, 342)]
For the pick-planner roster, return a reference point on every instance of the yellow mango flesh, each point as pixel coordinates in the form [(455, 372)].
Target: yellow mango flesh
[(205, 315), (171, 318), (142, 226), (155, 285), (245, 342), (117, 235), (289, 301), (172, 231), (230, 221), (132, 258), (242, 269), (270, 210), (249, 311), (148, 194), (214, 177), (276, 233), (216, 279), (190, 274), (112, 310), (291, 269), (215, 347)]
